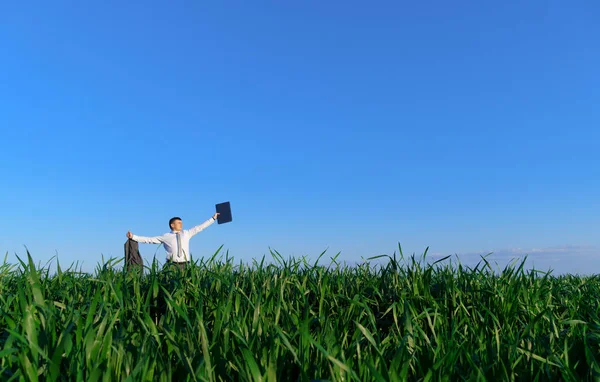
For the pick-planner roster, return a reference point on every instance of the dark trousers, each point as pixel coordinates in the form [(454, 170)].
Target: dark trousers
[(160, 304), (181, 265)]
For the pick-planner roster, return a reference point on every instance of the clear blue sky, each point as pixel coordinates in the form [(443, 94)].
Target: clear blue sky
[(468, 127)]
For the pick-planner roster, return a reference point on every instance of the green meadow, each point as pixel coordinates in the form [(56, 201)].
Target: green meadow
[(392, 318)]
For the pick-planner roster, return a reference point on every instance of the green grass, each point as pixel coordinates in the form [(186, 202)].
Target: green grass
[(292, 320)]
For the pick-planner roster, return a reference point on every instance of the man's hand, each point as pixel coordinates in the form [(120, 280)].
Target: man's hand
[(215, 215), (129, 235)]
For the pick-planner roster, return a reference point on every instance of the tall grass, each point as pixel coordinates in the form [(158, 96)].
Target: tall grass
[(291, 320)]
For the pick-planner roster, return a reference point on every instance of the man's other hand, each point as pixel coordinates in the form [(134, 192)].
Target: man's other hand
[(215, 215)]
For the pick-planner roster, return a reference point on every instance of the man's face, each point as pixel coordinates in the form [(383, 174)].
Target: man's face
[(177, 225)]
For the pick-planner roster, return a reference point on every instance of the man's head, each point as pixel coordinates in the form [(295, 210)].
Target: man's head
[(175, 224)]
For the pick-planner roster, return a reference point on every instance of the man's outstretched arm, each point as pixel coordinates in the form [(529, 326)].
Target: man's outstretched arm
[(194, 230), (144, 239)]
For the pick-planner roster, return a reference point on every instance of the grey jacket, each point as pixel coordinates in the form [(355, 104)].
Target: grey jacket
[(132, 255)]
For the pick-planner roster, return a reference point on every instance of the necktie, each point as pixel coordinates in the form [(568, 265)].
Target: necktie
[(178, 246)]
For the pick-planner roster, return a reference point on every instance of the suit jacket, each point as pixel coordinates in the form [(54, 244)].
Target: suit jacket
[(132, 255)]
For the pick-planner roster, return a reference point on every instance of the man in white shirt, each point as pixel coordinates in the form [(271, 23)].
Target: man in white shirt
[(176, 242)]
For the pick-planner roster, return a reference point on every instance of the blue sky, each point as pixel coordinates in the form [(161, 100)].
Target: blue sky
[(466, 127)]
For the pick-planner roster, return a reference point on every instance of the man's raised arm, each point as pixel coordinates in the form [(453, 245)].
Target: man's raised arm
[(144, 239), (194, 230)]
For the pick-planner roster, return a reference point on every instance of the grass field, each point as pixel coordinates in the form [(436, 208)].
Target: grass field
[(291, 320)]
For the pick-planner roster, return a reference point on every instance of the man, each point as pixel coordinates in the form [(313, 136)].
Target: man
[(176, 242)]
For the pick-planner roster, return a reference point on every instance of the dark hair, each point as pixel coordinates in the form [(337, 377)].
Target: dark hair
[(172, 220)]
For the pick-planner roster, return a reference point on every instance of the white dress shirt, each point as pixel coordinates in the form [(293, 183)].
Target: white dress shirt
[(176, 243)]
